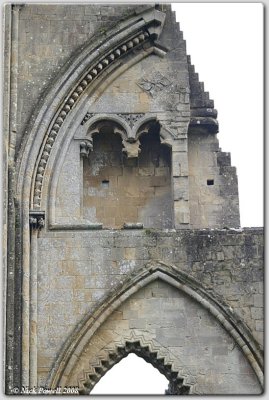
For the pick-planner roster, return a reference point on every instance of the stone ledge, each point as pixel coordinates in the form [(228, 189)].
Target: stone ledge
[(128, 225), (72, 227)]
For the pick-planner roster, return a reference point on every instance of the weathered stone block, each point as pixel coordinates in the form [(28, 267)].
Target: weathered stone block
[(258, 300), (257, 313)]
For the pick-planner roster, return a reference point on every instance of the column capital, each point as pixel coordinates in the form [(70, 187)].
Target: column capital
[(37, 219)]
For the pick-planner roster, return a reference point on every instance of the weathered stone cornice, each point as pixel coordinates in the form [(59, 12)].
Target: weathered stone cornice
[(209, 124)]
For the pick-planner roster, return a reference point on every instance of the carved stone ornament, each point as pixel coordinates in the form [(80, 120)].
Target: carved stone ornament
[(158, 83), (155, 84), (86, 146), (184, 93), (131, 149), (37, 219), (131, 119), (86, 118), (144, 349)]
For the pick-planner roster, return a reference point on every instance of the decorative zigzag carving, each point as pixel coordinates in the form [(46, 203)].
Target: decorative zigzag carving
[(157, 356)]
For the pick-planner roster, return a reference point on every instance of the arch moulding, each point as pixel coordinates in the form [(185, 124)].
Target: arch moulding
[(148, 349), (93, 64), (82, 335)]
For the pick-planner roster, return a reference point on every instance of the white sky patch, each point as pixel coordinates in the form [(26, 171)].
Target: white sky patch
[(132, 375), (225, 42)]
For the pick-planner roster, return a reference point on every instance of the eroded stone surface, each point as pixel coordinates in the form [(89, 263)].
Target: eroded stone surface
[(206, 357), (80, 269), (107, 125)]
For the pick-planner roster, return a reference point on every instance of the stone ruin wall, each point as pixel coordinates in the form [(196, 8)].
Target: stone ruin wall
[(179, 180), (80, 269), (48, 36)]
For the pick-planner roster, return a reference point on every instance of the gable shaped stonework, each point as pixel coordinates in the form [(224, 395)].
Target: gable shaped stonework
[(122, 228)]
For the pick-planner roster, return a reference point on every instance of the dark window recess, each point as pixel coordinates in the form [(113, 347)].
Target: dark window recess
[(105, 184), (210, 182)]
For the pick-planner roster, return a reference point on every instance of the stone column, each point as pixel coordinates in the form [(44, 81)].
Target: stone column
[(180, 183), (36, 223), (174, 128), (11, 277)]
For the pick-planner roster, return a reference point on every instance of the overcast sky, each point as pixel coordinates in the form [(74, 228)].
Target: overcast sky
[(225, 41)]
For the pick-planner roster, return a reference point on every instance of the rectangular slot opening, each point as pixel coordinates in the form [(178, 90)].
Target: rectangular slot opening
[(210, 182), (105, 184)]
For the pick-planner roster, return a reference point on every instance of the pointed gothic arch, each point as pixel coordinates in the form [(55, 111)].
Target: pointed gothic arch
[(146, 350), (82, 335)]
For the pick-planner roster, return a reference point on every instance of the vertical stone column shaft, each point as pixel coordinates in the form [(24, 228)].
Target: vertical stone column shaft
[(14, 55), (25, 300), (180, 172), (12, 278), (33, 310)]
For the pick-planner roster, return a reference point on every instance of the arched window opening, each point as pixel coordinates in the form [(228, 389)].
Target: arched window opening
[(118, 189), (132, 375)]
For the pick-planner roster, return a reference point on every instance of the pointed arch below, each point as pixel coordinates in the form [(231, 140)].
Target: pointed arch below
[(146, 350), (170, 274)]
